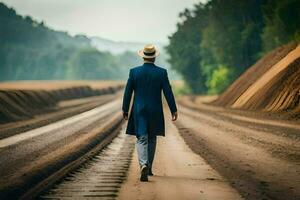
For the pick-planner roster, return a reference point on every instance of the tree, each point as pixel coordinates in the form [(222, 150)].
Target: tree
[(231, 33), (282, 19), (31, 50), (184, 48)]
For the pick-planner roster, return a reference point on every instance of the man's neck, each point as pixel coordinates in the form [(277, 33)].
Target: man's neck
[(146, 61)]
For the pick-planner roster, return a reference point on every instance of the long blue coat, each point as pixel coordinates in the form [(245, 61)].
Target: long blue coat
[(147, 83)]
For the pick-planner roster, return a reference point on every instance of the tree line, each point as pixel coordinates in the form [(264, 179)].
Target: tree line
[(215, 42), (30, 50)]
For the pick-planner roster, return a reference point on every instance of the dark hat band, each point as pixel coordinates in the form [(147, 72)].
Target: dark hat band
[(149, 54)]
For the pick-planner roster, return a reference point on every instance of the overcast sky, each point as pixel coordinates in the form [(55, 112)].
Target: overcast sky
[(119, 20)]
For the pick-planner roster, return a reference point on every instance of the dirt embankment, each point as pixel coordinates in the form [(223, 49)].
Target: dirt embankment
[(272, 84), (23, 100)]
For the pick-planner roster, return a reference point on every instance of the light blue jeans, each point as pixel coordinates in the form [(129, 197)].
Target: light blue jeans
[(146, 150)]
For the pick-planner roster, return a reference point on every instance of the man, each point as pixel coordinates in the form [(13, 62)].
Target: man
[(146, 119)]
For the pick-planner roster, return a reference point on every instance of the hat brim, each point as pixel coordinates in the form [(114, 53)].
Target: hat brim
[(141, 53)]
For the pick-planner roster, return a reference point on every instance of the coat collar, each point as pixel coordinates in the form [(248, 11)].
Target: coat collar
[(149, 64)]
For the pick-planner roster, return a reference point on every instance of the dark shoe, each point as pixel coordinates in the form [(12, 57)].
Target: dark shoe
[(144, 174), (150, 173)]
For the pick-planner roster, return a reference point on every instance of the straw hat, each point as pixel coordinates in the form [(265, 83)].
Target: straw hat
[(149, 51)]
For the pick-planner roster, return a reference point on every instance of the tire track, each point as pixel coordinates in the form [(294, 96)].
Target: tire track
[(100, 177)]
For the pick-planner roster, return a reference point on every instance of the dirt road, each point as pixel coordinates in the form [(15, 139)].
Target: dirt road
[(179, 174), (30, 156), (234, 155), (259, 155), (209, 153)]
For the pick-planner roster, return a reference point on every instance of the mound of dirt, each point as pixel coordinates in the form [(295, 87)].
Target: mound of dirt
[(18, 104), (239, 86), (272, 84), (57, 84), (288, 94)]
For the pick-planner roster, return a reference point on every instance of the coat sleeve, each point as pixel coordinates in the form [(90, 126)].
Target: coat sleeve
[(167, 90), (128, 92)]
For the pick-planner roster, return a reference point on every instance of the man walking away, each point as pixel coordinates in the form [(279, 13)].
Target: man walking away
[(146, 119)]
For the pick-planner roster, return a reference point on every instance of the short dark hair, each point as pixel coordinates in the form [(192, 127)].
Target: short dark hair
[(149, 59)]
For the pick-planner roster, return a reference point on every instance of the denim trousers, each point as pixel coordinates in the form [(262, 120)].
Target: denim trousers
[(146, 149)]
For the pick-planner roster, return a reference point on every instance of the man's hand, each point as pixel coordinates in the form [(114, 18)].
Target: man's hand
[(125, 115), (174, 116)]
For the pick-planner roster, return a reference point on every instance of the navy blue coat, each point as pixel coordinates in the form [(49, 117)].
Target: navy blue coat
[(146, 116)]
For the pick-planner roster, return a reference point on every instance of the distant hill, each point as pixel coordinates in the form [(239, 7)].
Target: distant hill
[(121, 47), (29, 50), (115, 47)]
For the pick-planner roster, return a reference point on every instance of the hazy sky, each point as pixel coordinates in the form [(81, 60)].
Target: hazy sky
[(120, 20)]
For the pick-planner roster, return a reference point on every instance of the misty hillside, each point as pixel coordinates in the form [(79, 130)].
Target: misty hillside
[(121, 47), (31, 50), (115, 47)]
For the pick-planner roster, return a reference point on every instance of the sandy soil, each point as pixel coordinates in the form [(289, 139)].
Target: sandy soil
[(56, 84), (21, 100), (235, 154), (209, 153), (272, 84), (252, 74), (62, 110), (32, 156), (179, 174), (267, 80), (260, 158)]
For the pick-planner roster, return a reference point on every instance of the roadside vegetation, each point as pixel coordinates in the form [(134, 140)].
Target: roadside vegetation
[(216, 42)]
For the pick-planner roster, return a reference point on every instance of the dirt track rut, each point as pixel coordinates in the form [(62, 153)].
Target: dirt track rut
[(257, 162), (100, 177)]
